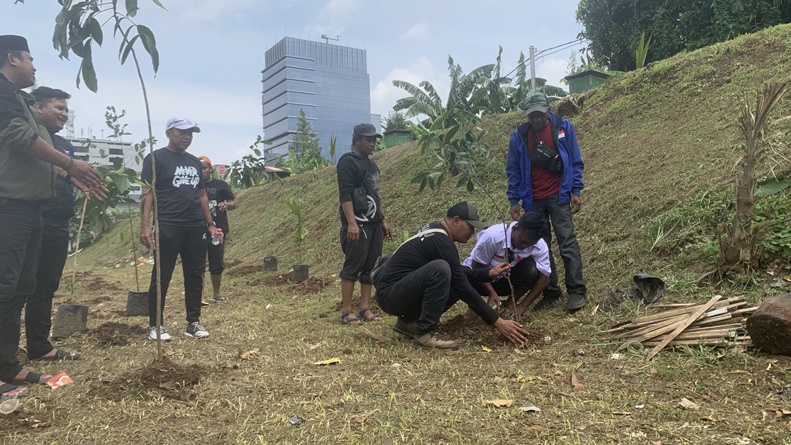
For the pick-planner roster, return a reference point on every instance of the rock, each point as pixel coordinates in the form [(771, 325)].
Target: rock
[(770, 325)]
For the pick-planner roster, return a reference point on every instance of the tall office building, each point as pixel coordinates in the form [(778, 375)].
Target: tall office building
[(330, 82)]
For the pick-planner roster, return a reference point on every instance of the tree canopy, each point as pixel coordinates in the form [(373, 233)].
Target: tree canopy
[(614, 27)]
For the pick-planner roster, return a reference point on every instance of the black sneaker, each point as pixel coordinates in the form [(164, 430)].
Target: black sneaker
[(547, 301), (196, 330), (576, 302)]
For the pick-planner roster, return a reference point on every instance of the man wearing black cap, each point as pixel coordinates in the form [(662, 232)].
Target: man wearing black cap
[(28, 166), (363, 225), (424, 278), (544, 171)]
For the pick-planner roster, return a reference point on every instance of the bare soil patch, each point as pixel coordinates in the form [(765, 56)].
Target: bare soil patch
[(21, 421), (115, 334), (243, 270), (161, 377)]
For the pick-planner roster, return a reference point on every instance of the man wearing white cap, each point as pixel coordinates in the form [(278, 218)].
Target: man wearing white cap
[(183, 218)]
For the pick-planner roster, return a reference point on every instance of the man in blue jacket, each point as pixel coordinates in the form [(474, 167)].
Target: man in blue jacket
[(544, 171)]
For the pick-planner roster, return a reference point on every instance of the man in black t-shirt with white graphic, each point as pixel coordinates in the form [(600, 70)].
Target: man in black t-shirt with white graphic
[(363, 225), (221, 200), (424, 278), (183, 216)]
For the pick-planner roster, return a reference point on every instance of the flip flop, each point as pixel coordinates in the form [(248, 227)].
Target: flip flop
[(33, 377), (60, 355), (9, 391)]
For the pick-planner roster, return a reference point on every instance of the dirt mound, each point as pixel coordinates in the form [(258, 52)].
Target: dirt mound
[(115, 334), (458, 327), (162, 377), (243, 270), (87, 281)]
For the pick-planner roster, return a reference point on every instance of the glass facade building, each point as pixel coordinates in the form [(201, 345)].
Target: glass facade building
[(330, 82)]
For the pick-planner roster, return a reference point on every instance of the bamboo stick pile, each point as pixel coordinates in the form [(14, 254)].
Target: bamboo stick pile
[(719, 322)]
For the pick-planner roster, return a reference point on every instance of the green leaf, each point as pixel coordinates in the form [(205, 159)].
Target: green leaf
[(150, 44), (87, 70), (128, 49), (159, 4), (96, 30), (772, 187), (131, 8), (470, 185)]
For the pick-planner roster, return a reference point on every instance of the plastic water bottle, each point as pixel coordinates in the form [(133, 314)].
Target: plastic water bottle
[(217, 237)]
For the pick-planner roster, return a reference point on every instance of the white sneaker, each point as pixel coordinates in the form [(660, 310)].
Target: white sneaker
[(152, 334), (196, 330)]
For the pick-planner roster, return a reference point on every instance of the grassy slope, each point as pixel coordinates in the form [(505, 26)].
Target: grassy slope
[(652, 140)]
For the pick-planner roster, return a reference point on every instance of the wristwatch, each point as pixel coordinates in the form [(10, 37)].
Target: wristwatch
[(212, 224)]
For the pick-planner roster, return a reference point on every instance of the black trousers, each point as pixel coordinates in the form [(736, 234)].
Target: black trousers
[(563, 225), (191, 244), (38, 312), (523, 276), (19, 248), (423, 296)]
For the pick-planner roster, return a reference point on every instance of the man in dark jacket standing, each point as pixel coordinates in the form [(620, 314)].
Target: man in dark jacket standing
[(28, 166), (53, 113), (544, 171), (363, 225)]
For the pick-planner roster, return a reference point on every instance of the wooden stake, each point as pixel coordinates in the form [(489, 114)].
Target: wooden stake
[(695, 315)]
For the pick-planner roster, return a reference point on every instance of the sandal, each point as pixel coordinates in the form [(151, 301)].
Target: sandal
[(374, 316), (60, 354), (9, 391), (33, 377), (349, 318)]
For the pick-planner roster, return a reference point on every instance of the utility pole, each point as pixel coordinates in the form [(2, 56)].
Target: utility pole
[(532, 69)]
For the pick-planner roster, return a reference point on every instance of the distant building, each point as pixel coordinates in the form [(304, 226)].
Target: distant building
[(330, 82), (585, 80), (105, 151)]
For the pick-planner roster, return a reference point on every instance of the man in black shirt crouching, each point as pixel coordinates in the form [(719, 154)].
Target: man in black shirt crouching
[(424, 278)]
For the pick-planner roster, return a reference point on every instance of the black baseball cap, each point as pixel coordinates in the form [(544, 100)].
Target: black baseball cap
[(467, 212), (366, 130)]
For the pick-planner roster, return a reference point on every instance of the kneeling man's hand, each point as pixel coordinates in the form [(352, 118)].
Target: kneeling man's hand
[(500, 269), (511, 330)]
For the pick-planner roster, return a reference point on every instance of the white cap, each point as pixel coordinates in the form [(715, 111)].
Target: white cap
[(182, 123)]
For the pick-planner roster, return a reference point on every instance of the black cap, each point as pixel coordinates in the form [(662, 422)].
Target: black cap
[(467, 212), (366, 130), (10, 42)]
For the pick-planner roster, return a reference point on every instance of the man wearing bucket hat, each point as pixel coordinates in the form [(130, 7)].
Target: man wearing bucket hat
[(221, 201), (424, 278), (544, 171), (28, 169), (183, 217), (363, 224)]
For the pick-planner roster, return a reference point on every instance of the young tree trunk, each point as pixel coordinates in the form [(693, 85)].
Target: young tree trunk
[(738, 250)]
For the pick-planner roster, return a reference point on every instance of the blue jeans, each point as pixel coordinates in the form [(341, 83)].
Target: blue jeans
[(19, 248), (563, 225)]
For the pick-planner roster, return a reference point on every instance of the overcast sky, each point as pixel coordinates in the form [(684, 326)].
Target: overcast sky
[(212, 55)]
